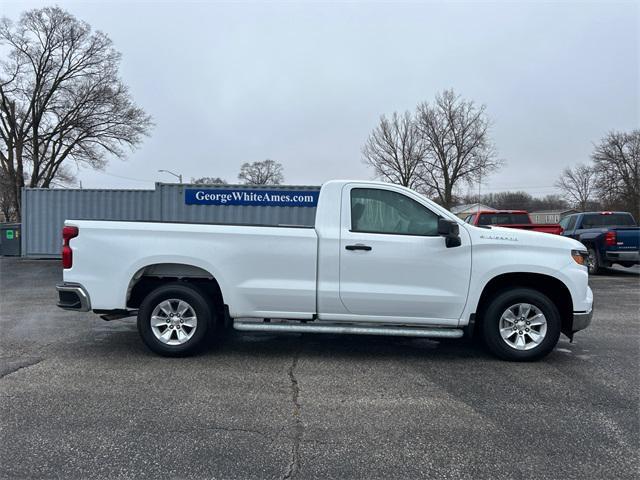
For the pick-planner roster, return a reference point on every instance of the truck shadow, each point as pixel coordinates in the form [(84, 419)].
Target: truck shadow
[(122, 341), (257, 350)]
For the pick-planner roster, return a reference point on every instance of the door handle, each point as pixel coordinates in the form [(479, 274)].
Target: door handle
[(358, 246)]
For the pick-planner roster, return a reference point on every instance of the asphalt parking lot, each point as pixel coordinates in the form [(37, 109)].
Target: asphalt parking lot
[(83, 398)]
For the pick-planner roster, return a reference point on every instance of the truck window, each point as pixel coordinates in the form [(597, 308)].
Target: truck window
[(503, 218), (568, 223), (375, 210), (600, 220)]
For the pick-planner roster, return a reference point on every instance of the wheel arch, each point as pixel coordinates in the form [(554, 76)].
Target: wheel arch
[(154, 275), (590, 240), (550, 286), (589, 243)]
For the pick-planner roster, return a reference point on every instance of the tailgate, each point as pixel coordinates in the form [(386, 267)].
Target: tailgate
[(627, 238)]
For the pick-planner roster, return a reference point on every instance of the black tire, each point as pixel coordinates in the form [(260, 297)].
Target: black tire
[(205, 327), (491, 325), (594, 266)]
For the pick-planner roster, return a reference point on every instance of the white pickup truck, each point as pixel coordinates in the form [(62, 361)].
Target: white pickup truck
[(380, 260)]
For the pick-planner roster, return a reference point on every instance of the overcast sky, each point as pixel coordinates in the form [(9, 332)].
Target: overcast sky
[(304, 83)]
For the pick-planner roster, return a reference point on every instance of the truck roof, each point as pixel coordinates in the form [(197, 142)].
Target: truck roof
[(606, 212), (335, 186)]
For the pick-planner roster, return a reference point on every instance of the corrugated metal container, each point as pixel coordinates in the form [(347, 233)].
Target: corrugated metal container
[(45, 210)]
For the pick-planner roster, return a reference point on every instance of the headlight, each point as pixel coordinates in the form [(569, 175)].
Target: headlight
[(580, 256)]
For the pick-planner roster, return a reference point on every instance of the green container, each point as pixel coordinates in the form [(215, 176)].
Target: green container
[(10, 240)]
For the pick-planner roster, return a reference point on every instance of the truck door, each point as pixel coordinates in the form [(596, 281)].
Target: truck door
[(394, 267)]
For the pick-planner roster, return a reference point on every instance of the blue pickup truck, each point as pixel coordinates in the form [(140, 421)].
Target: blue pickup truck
[(610, 237)]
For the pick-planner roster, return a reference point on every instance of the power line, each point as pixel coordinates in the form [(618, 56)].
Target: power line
[(125, 178)]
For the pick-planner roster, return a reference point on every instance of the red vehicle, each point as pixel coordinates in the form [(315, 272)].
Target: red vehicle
[(512, 219)]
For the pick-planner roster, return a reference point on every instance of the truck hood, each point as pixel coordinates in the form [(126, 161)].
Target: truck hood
[(521, 238)]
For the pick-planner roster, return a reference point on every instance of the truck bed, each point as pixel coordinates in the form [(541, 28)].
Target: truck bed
[(266, 268)]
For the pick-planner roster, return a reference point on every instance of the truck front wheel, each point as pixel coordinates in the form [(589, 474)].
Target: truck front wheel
[(175, 320), (521, 324)]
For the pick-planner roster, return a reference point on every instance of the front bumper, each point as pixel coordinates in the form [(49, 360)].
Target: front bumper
[(73, 296), (581, 320)]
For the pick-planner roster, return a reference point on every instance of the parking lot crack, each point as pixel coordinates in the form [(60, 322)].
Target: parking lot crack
[(7, 367), (298, 427)]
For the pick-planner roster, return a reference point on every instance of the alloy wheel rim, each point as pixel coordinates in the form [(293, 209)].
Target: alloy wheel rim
[(591, 258), (173, 321), (523, 326)]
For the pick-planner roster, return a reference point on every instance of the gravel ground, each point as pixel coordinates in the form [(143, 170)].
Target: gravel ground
[(83, 398)]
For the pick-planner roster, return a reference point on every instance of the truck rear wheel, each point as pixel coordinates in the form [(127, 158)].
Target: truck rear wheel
[(594, 265), (175, 320), (521, 324)]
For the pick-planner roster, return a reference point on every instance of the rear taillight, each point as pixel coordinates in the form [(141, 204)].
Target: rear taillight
[(610, 239), (67, 254)]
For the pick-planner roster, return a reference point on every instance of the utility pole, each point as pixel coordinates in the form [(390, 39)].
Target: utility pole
[(479, 187)]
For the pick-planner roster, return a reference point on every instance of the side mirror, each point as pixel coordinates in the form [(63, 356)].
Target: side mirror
[(450, 230), (447, 228)]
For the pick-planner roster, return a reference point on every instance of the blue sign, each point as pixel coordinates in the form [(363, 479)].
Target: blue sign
[(248, 197)]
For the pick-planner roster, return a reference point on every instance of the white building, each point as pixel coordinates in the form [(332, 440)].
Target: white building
[(550, 216)]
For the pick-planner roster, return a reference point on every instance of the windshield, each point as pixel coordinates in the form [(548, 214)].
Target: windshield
[(503, 218), (597, 220)]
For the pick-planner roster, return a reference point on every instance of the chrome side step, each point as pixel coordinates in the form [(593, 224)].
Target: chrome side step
[(249, 326)]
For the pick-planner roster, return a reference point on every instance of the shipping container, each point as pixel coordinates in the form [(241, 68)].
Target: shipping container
[(45, 210)]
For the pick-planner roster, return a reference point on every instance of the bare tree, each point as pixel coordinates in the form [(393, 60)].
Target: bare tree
[(509, 200), (395, 150), (61, 100), (455, 133), (517, 200), (6, 198), (551, 201), (617, 163), (578, 185), (209, 181), (267, 172)]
